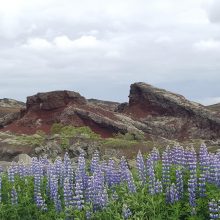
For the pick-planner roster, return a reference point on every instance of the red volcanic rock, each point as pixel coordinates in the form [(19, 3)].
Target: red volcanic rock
[(170, 115), (53, 100), (150, 111)]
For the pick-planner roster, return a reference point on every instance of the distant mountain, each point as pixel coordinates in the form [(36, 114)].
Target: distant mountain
[(9, 110), (151, 112), (214, 108)]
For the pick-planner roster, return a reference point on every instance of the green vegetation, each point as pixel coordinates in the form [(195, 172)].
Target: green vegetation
[(110, 187), (69, 131), (32, 140)]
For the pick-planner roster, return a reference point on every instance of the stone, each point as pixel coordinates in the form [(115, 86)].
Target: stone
[(26, 159)]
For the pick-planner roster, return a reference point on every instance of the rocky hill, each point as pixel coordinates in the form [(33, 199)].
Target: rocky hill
[(9, 110), (215, 108), (150, 111)]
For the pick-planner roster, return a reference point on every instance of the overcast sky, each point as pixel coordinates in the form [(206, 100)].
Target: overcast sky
[(98, 48)]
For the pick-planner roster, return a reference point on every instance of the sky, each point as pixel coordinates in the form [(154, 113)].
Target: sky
[(99, 47)]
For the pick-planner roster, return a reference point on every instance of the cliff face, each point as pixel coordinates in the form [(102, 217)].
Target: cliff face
[(150, 111), (169, 114)]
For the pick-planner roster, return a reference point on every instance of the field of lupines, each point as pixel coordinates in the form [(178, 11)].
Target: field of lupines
[(178, 184)]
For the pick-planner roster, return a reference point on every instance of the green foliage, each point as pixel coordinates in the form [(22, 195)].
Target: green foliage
[(32, 140), (142, 205), (64, 142), (56, 128), (69, 131)]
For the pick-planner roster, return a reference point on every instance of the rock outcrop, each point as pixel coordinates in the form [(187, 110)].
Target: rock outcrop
[(53, 100), (150, 111), (9, 111), (169, 114)]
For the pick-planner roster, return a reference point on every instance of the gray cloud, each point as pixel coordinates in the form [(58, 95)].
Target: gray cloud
[(99, 48), (214, 11)]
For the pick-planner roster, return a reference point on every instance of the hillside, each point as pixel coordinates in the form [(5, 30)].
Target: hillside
[(9, 110), (150, 112), (215, 108)]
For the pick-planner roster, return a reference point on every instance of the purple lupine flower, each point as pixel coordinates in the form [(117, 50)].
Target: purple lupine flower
[(192, 192), (40, 202), (123, 166), (179, 156), (53, 189), (38, 175), (192, 182), (126, 212), (158, 187), (172, 194), (68, 170), (81, 170), (214, 169), (96, 192), (151, 176), (59, 169), (165, 169), (202, 185), (79, 197), (95, 161), (89, 190), (155, 155), (99, 199), (204, 160), (37, 184), (213, 210), (141, 167), (68, 194), (130, 181), (21, 169), (11, 174), (104, 198), (14, 196), (179, 182), (88, 214), (112, 174)]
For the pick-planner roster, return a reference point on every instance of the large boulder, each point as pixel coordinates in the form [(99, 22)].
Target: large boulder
[(53, 100), (23, 158)]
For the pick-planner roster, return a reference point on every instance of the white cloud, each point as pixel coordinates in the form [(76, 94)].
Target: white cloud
[(83, 42), (37, 44), (108, 42), (62, 42), (214, 11), (207, 45)]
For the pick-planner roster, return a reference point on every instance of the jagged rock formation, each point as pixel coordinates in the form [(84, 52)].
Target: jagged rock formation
[(169, 114), (150, 111), (9, 110)]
